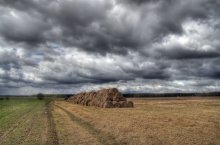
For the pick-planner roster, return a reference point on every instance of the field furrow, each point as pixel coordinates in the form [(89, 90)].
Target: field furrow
[(70, 132), (15, 114), (21, 120), (29, 128)]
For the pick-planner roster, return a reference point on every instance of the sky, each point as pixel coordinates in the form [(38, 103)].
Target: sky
[(144, 46)]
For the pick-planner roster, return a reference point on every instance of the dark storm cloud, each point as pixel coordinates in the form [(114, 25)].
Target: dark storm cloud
[(38, 20), (100, 78), (180, 52), (157, 70), (103, 72), (190, 69), (171, 13), (79, 42), (93, 29), (22, 27), (8, 60), (210, 69)]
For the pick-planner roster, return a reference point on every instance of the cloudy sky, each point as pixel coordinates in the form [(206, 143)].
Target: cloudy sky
[(68, 46)]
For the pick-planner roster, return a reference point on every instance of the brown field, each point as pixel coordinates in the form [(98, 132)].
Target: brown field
[(160, 121), (151, 121)]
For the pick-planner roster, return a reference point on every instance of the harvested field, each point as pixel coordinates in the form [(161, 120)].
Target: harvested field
[(170, 121)]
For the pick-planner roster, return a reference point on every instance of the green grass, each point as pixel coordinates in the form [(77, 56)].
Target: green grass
[(11, 110), (23, 120)]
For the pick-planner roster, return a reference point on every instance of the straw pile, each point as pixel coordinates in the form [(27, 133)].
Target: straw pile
[(105, 98)]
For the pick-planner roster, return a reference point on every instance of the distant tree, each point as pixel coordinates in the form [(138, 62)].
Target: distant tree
[(40, 96), (66, 97), (7, 98), (1, 98)]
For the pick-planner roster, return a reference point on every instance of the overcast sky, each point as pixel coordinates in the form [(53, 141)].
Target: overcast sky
[(68, 46)]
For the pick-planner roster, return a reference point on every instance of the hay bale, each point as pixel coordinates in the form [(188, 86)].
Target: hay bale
[(123, 104), (130, 104), (105, 98), (87, 102)]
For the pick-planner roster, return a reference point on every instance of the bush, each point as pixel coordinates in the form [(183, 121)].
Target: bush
[(40, 96), (7, 98)]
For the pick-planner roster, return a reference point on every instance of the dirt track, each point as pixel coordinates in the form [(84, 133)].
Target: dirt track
[(86, 133)]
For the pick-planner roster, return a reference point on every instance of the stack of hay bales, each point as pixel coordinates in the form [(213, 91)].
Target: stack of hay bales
[(105, 98)]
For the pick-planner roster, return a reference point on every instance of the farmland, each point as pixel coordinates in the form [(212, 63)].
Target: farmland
[(25, 121), (151, 121)]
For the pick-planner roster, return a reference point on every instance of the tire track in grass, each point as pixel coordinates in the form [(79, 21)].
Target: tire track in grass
[(69, 132), (52, 134), (103, 137)]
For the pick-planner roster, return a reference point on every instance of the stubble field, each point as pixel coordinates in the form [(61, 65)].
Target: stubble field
[(151, 121)]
